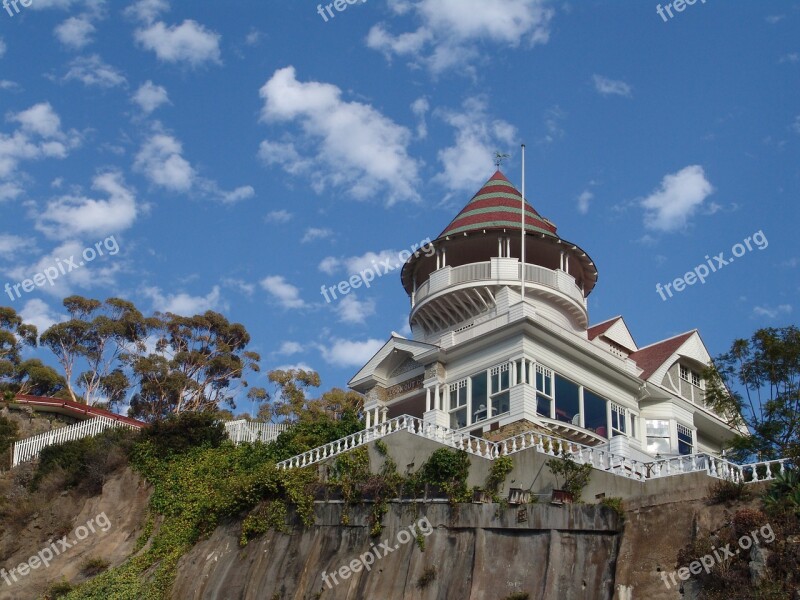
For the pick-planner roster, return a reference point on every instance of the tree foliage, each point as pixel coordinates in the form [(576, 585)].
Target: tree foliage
[(756, 384), (18, 376), (99, 335), (199, 364)]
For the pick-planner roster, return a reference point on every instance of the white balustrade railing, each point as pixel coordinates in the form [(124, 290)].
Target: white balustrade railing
[(413, 425), (29, 448), (250, 431), (602, 460)]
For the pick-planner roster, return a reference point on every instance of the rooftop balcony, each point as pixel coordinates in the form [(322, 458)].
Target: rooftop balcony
[(452, 295)]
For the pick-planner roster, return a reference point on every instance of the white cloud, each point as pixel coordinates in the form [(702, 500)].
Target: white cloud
[(316, 233), (190, 42), (13, 245), (287, 295), (92, 71), (357, 147), (670, 207), (78, 215), (40, 119), (150, 96), (552, 124), (378, 262), (147, 10), (290, 348), (185, 304), (75, 32), (609, 87), (39, 136), (72, 271), (248, 289), (420, 108), (773, 19), (278, 216), (9, 191), (352, 310), (451, 32), (36, 312), (8, 85), (792, 57), (160, 160), (584, 201), (772, 312), (468, 162), (348, 353), (253, 37)]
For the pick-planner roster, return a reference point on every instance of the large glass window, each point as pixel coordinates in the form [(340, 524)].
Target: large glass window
[(458, 404), (594, 408), (544, 391), (500, 385), (658, 437), (685, 442), (480, 397), (567, 402), (618, 425)]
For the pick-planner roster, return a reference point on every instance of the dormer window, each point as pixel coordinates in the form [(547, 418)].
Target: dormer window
[(690, 376)]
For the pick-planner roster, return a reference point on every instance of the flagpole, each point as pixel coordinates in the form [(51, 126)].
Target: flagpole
[(522, 258)]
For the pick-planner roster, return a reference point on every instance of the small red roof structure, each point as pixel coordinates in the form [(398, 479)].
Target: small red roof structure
[(497, 206), (71, 409)]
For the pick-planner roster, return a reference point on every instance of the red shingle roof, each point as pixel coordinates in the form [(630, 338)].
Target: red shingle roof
[(601, 328), (653, 356), (497, 206)]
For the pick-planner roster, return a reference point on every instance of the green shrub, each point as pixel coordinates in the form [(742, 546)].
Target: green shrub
[(501, 467), (428, 576), (448, 469), (725, 491), (614, 504), (86, 463), (576, 477), (58, 590), (94, 566), (8, 435), (178, 433)]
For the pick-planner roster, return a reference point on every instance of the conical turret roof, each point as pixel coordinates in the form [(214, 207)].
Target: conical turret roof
[(497, 206)]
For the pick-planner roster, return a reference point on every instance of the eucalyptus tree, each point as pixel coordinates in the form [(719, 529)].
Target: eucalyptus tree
[(757, 384), (19, 375), (101, 338)]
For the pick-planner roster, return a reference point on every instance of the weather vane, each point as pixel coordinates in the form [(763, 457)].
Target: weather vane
[(499, 158)]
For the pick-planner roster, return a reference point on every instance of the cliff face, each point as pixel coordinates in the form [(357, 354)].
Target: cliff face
[(477, 552)]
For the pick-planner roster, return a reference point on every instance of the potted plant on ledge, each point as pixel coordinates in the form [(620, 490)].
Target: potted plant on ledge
[(575, 477)]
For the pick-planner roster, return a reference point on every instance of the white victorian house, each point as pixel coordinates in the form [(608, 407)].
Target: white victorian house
[(493, 355)]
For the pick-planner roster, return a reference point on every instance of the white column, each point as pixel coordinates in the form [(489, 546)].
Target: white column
[(608, 418), (523, 378), (437, 399), (427, 399), (368, 420), (581, 420), (384, 414)]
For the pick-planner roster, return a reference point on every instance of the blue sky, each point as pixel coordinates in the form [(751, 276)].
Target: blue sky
[(243, 154)]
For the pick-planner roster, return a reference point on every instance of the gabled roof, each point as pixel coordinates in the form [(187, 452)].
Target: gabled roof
[(497, 206), (601, 328), (615, 330), (395, 343), (651, 357)]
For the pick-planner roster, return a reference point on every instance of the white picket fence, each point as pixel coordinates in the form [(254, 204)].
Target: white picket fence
[(546, 444), (29, 448), (251, 431)]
